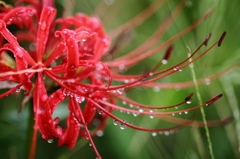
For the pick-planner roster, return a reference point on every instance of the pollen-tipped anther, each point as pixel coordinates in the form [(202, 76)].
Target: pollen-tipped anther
[(213, 99), (189, 98), (207, 39), (168, 53), (221, 39)]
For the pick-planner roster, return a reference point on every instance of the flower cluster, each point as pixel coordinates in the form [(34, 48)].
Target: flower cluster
[(70, 54)]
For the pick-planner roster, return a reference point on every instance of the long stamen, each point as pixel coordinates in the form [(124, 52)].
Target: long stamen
[(160, 113)]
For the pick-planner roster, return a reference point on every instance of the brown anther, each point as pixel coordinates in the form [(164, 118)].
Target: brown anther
[(188, 98), (168, 52), (207, 39), (221, 38), (213, 99)]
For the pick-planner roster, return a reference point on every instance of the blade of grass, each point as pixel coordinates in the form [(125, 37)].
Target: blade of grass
[(200, 102)]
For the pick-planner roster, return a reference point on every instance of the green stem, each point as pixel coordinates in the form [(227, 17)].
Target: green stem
[(29, 132), (200, 103)]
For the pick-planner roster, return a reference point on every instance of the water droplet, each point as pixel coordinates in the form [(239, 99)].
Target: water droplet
[(166, 133), (126, 81), (150, 110), (134, 114), (121, 67), (124, 102), (140, 110), (17, 90), (44, 98), (109, 2), (99, 133), (115, 122), (206, 104), (150, 74), (180, 113), (177, 69), (156, 89), (83, 40), (207, 81), (130, 105), (189, 102), (100, 112), (164, 62), (43, 25), (176, 107), (151, 116), (79, 99), (154, 134), (50, 141), (10, 21), (173, 114), (90, 144), (122, 126), (120, 91), (87, 138), (186, 112), (188, 3)]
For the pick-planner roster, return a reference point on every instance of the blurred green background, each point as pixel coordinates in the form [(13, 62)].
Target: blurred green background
[(187, 143)]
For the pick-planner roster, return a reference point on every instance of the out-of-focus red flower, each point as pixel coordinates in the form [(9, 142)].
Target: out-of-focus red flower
[(70, 52)]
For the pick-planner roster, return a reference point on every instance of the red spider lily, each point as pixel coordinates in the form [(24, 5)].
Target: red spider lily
[(69, 52)]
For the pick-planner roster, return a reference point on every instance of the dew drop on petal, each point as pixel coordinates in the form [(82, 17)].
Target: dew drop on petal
[(126, 81), (43, 25), (121, 67), (44, 98)]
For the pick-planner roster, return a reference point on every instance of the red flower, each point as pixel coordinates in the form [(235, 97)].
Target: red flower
[(70, 52)]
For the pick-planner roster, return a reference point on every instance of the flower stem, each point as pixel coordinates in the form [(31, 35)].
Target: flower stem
[(29, 132), (200, 102)]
